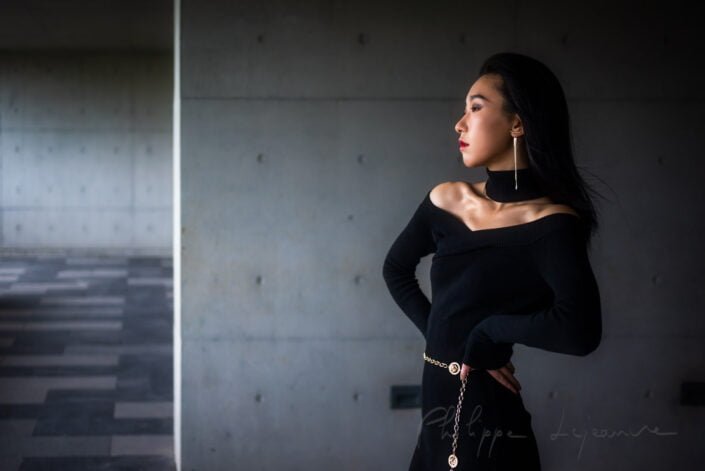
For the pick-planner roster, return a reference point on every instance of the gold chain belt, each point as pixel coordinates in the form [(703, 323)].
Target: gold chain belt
[(454, 369)]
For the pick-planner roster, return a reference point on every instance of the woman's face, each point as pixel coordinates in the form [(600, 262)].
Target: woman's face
[(484, 127)]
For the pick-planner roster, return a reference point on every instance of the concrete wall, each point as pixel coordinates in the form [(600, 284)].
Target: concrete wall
[(311, 130), (86, 151)]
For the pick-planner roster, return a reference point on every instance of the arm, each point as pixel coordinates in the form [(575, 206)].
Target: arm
[(572, 325), (399, 269)]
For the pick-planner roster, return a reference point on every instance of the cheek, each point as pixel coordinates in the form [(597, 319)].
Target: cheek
[(480, 134), (486, 133)]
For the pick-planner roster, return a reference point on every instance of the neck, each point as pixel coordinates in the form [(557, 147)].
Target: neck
[(508, 185)]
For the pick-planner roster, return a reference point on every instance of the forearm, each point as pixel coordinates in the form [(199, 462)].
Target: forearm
[(571, 324)]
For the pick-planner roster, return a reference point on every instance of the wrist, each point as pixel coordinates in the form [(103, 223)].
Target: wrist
[(482, 353)]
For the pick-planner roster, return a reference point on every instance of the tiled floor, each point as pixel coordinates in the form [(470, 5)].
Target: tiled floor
[(86, 364)]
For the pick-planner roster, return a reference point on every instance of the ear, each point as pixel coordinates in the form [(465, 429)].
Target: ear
[(517, 126)]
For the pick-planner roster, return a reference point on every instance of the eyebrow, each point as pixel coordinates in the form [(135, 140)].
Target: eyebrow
[(483, 97)]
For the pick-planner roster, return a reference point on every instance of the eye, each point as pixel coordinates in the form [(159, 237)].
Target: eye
[(475, 108)]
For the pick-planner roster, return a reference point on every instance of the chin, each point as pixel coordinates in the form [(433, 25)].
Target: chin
[(470, 162)]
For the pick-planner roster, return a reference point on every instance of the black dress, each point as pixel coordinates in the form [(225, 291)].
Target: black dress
[(531, 284)]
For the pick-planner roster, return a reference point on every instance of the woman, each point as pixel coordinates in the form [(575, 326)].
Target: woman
[(510, 266)]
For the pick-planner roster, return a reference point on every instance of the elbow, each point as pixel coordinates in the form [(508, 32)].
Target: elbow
[(588, 346), (583, 333), (393, 270), (387, 270), (587, 341)]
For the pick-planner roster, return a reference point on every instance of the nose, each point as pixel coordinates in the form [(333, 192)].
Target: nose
[(459, 126)]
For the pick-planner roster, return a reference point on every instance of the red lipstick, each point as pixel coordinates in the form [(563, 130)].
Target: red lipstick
[(462, 144)]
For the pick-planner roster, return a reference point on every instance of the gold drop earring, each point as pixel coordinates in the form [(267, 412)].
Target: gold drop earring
[(516, 183)]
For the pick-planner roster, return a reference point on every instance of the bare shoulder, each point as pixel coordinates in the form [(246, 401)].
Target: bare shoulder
[(554, 208), (447, 194), (439, 193)]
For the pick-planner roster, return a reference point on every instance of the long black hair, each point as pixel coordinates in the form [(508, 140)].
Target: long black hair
[(532, 91)]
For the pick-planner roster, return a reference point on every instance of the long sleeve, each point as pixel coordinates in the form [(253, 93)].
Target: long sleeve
[(571, 325), (399, 269)]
